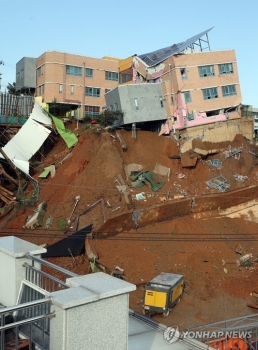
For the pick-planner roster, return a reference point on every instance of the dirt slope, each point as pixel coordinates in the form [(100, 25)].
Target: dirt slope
[(185, 245)]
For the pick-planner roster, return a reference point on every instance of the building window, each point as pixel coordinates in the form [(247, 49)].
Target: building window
[(183, 73), (190, 116), (111, 107), (92, 111), (116, 106), (111, 76), (124, 78), (210, 93), (60, 88), (136, 104), (206, 71), (107, 90), (172, 100), (39, 72), (226, 68), (22, 74), (90, 91), (18, 76), (188, 98), (88, 72), (42, 89), (72, 89), (73, 70), (228, 90)]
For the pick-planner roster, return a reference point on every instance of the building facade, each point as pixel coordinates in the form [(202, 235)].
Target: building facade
[(74, 80), (26, 76), (199, 87)]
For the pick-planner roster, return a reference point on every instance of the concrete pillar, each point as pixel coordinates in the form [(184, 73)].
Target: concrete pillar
[(91, 314), (12, 272)]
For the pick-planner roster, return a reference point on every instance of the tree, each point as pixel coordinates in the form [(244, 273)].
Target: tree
[(108, 118), (11, 89)]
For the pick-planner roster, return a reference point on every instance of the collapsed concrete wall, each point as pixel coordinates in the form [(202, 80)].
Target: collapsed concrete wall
[(217, 132), (198, 207)]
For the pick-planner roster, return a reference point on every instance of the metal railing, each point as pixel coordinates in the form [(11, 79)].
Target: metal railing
[(30, 323), (44, 280), (241, 332)]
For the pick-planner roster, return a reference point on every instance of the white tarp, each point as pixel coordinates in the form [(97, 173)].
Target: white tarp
[(29, 139)]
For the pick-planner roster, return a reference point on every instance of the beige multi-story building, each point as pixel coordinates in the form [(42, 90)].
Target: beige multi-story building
[(77, 82), (194, 86), (198, 86)]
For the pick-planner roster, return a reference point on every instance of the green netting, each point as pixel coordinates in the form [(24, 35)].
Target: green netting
[(67, 135), (145, 178)]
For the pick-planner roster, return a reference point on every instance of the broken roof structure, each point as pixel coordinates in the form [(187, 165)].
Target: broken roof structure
[(153, 58), (28, 139)]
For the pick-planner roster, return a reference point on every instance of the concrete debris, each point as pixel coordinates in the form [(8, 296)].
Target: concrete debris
[(131, 168), (116, 209), (245, 260), (121, 139), (239, 249), (135, 217), (36, 219), (180, 175), (220, 183), (240, 178), (161, 170), (175, 156), (201, 151), (49, 222), (188, 160), (121, 189), (140, 196)]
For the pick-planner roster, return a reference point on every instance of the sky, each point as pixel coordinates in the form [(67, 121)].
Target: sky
[(124, 28)]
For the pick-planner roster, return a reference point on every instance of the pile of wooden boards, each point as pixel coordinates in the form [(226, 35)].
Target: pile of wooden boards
[(7, 196)]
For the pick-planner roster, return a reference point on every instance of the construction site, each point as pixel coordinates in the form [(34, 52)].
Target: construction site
[(135, 204)]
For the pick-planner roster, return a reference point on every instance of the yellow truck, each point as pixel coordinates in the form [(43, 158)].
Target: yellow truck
[(162, 293)]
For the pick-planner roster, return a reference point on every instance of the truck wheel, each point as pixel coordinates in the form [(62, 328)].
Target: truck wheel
[(165, 314), (145, 312)]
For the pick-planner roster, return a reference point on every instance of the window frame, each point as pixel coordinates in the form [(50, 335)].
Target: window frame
[(96, 94), (184, 73), (209, 68), (88, 72), (91, 112), (71, 70), (211, 95), (109, 75), (226, 70), (189, 99), (228, 90)]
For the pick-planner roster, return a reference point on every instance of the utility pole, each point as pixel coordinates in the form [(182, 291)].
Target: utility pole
[(1, 62)]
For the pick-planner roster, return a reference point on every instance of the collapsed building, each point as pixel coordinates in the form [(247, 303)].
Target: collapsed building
[(186, 83)]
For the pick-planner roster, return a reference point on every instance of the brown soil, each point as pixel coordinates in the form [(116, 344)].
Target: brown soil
[(194, 248)]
